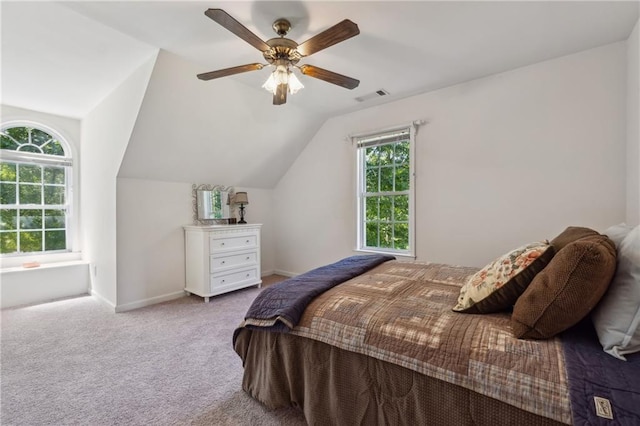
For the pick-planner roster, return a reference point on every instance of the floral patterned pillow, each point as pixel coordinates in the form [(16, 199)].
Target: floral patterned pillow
[(497, 286)]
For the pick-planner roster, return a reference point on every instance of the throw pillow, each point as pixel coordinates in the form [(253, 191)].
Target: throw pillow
[(617, 317), (498, 285), (617, 233), (571, 234), (566, 290)]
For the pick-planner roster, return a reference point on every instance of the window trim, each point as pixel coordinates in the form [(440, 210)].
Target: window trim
[(360, 205), (68, 162)]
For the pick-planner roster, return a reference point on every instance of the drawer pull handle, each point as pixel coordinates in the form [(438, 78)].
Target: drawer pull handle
[(222, 281), (222, 244), (247, 240), (248, 257), (248, 275), (223, 262)]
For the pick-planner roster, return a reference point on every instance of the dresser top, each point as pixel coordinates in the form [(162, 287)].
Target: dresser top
[(229, 227)]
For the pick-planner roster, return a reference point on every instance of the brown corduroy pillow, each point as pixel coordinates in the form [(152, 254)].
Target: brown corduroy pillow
[(571, 234), (566, 290)]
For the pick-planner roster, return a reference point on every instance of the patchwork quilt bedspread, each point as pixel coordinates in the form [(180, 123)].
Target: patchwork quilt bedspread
[(400, 312)]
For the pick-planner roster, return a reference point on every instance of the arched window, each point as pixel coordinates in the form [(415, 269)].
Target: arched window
[(35, 190)]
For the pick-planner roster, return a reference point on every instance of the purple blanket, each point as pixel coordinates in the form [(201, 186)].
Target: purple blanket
[(280, 306), (599, 384)]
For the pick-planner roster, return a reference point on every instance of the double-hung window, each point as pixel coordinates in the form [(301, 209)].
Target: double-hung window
[(35, 182), (385, 190)]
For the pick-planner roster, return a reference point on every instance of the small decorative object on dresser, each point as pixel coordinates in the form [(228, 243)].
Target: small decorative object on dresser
[(221, 258)]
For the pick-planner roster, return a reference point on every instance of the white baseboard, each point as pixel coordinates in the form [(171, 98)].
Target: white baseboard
[(150, 301), (285, 273), (102, 299), (267, 273)]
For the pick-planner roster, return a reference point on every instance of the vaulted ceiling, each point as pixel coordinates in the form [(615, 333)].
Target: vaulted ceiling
[(66, 57)]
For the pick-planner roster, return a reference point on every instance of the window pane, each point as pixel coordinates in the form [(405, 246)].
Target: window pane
[(386, 178), (54, 175), (9, 219), (386, 235), (8, 193), (371, 156), (7, 172), (53, 148), (38, 137), (371, 236), (7, 143), (53, 194), (386, 154), (371, 205), (30, 194), (31, 241), (372, 179), (20, 134), (401, 236), (401, 207), (386, 209), (8, 242), (54, 219), (55, 240), (29, 173), (30, 148), (402, 178), (402, 152), (30, 219)]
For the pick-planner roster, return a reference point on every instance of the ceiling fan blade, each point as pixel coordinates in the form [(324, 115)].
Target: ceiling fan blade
[(229, 71), (339, 32), (280, 97), (227, 21), (330, 77)]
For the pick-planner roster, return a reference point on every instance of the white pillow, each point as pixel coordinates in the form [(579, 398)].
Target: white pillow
[(617, 233), (617, 316)]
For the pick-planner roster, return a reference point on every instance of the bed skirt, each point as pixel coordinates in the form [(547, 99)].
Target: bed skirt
[(283, 370)]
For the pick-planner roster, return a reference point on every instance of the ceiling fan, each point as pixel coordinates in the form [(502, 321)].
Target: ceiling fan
[(284, 54)]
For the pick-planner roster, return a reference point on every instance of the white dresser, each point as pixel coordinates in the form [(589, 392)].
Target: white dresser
[(221, 258)]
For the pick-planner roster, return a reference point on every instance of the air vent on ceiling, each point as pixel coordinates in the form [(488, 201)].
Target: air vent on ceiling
[(376, 94)]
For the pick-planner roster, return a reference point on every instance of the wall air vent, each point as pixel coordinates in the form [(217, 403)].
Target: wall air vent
[(376, 94)]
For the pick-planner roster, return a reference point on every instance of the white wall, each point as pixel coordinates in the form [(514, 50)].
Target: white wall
[(213, 131), (150, 243), (633, 127), (105, 134), (504, 160)]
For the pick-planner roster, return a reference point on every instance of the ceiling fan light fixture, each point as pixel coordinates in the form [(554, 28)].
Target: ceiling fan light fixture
[(282, 75), (294, 83)]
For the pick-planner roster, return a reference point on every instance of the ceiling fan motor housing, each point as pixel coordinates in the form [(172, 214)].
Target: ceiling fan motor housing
[(282, 48)]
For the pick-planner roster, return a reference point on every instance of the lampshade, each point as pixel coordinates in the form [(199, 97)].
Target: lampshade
[(241, 198), (282, 75)]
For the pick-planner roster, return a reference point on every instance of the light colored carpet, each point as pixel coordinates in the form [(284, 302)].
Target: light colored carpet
[(75, 362)]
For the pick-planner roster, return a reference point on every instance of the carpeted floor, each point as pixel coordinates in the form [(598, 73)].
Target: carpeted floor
[(75, 362)]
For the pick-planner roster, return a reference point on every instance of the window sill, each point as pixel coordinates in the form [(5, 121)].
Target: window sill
[(44, 259), (44, 266), (398, 255)]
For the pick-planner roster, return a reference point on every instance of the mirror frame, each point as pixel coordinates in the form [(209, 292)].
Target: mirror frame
[(194, 203)]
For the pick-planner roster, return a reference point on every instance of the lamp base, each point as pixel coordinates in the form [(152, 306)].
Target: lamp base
[(241, 221)]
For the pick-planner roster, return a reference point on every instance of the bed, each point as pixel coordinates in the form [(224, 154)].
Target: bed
[(385, 347)]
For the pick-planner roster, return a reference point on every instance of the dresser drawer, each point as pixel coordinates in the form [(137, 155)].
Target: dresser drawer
[(219, 243), (223, 261), (222, 280)]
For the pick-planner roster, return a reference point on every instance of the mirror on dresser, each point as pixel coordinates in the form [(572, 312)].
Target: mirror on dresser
[(211, 205)]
